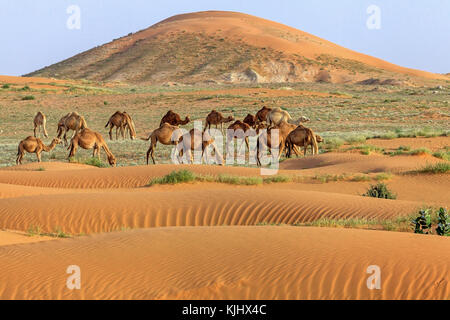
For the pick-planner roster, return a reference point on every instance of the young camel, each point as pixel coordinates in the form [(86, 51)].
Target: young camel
[(40, 121), (216, 118), (302, 137), (89, 139), (121, 120), (34, 145), (277, 115), (196, 140), (71, 121), (174, 119), (162, 135)]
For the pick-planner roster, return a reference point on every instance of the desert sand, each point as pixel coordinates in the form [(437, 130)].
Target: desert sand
[(235, 263), (133, 241)]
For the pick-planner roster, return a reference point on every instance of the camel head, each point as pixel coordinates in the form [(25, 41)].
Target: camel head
[(112, 160), (56, 141), (319, 139), (303, 119), (229, 119)]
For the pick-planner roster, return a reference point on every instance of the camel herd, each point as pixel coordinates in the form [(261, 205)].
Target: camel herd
[(291, 134)]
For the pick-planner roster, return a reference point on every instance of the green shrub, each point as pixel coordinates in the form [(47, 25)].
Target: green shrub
[(443, 227), (333, 143), (441, 167), (249, 181), (6, 86), (28, 98), (356, 139), (96, 162), (389, 135), (422, 224), (181, 176), (445, 155), (420, 151), (380, 190)]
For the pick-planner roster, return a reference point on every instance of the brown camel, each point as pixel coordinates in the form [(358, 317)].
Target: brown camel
[(40, 121), (89, 139), (174, 119), (196, 140), (216, 118), (265, 141), (284, 129), (71, 121), (121, 120), (302, 137), (166, 134), (34, 145), (261, 115), (250, 120), (240, 131)]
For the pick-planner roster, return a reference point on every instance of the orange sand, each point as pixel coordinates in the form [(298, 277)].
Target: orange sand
[(230, 263)]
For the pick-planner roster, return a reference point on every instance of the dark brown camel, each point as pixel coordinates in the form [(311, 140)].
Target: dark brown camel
[(216, 118), (174, 119)]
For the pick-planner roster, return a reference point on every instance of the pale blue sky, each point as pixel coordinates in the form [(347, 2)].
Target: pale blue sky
[(414, 33)]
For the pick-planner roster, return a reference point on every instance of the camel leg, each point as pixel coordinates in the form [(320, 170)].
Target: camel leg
[(20, 155), (73, 149), (35, 131), (280, 150), (45, 131), (152, 152), (110, 132), (65, 138), (38, 156), (148, 152)]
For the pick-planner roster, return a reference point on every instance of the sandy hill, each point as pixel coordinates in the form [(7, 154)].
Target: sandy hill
[(225, 47)]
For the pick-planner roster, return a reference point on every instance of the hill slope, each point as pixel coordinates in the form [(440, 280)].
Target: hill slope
[(224, 46)]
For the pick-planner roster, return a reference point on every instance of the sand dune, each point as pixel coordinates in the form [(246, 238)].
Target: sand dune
[(10, 237), (339, 163), (121, 177), (209, 206), (236, 263), (210, 247)]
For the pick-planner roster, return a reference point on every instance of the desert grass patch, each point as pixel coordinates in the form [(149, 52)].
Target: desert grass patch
[(443, 154), (420, 151), (398, 224), (436, 168), (186, 176), (380, 190), (181, 176), (333, 143), (37, 231), (367, 149), (95, 162)]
